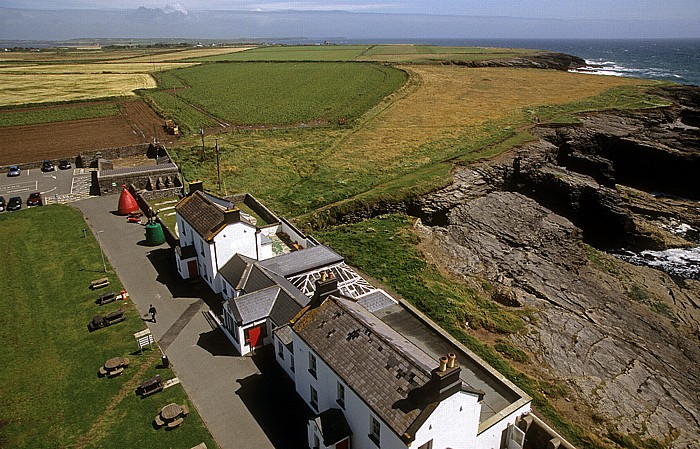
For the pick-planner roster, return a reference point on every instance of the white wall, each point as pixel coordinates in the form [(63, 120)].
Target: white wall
[(285, 361), (453, 424), (357, 413), (491, 437)]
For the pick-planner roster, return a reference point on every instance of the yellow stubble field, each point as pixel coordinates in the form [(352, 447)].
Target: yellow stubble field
[(444, 102)]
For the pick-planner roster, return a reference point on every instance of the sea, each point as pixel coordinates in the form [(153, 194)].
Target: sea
[(676, 60)]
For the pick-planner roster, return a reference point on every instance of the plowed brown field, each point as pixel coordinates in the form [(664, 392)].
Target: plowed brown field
[(136, 124)]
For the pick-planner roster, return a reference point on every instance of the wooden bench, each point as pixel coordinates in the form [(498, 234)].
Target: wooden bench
[(185, 410), (106, 298), (177, 422), (99, 283), (115, 372)]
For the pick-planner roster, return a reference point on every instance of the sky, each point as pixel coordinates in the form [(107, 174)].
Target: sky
[(52, 19)]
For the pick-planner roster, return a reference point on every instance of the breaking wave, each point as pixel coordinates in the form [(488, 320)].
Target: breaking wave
[(684, 263), (612, 68)]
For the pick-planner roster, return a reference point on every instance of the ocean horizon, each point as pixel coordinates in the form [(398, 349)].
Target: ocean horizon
[(673, 60)]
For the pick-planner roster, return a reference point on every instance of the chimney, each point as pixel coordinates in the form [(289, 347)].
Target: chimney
[(196, 186), (326, 286), (232, 215), (445, 378)]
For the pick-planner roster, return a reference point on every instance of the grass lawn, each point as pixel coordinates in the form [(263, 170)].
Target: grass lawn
[(293, 53), (49, 388)]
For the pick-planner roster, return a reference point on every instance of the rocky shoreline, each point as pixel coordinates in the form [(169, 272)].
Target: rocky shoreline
[(534, 222)]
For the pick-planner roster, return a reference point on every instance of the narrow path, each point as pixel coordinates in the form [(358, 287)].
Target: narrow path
[(171, 334)]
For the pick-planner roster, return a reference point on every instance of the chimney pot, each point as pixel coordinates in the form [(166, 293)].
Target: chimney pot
[(451, 360), (323, 276), (443, 364)]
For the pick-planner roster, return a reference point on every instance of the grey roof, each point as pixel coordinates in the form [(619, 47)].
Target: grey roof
[(333, 426), (255, 279), (301, 261), (253, 306), (284, 334), (385, 370), (234, 269)]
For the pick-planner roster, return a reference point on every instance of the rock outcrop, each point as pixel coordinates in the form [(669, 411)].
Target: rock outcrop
[(624, 338)]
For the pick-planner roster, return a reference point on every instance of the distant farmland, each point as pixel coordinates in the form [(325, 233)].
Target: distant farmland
[(271, 93), (378, 53)]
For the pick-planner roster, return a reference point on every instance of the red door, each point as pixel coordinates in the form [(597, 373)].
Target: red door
[(254, 336), (192, 268), (345, 444)]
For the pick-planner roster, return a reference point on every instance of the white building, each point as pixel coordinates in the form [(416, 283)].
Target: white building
[(366, 364), (212, 230), (369, 386)]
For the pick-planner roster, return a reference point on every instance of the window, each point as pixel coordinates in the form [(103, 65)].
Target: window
[(374, 430), (314, 397), (428, 445), (312, 364), (280, 349), (291, 362), (263, 333), (341, 395)]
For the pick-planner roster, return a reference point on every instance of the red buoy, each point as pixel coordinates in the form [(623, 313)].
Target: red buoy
[(127, 203)]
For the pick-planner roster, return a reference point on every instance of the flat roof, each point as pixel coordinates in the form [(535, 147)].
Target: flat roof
[(497, 394)]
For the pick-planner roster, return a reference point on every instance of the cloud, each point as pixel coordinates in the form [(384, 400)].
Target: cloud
[(175, 8)]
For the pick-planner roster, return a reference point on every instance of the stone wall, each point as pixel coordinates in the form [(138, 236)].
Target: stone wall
[(152, 177)]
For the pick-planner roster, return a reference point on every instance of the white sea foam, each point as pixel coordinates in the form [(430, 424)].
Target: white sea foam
[(679, 262)]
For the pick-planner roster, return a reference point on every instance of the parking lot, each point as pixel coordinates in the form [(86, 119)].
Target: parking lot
[(58, 186)]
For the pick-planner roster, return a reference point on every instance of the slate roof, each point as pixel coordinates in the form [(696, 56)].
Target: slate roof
[(254, 306), (333, 426), (388, 372), (235, 268), (284, 334), (302, 261), (204, 215), (265, 294)]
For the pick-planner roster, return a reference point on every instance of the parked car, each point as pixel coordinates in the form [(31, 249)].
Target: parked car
[(47, 166), (14, 171), (2, 204), (15, 203), (34, 199), (64, 164)]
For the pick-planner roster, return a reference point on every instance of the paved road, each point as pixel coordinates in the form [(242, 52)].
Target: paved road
[(246, 402)]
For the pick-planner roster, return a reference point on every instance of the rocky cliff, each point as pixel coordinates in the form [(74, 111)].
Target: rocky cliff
[(539, 223)]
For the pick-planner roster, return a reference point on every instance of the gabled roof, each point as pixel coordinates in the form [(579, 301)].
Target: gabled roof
[(206, 216), (235, 268), (389, 373), (253, 306), (302, 261)]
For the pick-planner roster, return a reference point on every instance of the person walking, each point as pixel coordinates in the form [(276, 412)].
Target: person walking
[(152, 312)]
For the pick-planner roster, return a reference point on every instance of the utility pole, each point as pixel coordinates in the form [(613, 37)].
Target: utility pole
[(201, 131), (218, 166)]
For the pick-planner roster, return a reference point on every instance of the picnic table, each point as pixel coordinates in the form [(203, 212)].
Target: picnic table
[(150, 386), (114, 366), (172, 415), (100, 321)]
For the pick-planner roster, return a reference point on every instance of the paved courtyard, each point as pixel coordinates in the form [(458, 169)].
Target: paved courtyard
[(246, 402)]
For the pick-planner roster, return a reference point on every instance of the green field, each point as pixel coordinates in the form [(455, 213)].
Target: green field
[(49, 388), (293, 53), (272, 93), (30, 116), (380, 53)]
